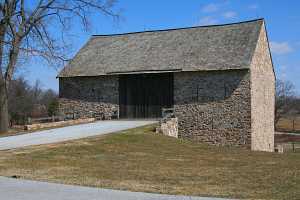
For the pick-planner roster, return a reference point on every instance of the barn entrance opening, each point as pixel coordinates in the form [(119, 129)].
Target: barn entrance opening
[(145, 95)]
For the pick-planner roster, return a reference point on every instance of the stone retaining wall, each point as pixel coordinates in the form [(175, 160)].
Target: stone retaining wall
[(57, 124)]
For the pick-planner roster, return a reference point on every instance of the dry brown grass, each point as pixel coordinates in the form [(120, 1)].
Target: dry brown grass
[(289, 124), (140, 160)]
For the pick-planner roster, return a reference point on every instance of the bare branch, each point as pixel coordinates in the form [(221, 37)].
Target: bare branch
[(25, 31), (284, 98)]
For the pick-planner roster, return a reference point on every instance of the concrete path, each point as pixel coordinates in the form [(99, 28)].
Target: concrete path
[(68, 133), (16, 189)]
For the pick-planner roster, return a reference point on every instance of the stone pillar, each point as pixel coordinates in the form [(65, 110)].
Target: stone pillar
[(169, 127)]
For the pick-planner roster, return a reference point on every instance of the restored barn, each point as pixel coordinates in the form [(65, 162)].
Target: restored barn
[(219, 80)]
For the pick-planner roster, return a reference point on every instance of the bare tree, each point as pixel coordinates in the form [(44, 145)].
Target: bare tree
[(26, 100), (285, 98), (26, 29), (21, 100)]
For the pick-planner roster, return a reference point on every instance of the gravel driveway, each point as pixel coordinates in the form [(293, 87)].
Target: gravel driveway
[(16, 189), (68, 133)]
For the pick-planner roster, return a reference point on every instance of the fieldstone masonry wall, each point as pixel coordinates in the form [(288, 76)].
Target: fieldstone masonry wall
[(89, 96), (214, 107), (84, 109)]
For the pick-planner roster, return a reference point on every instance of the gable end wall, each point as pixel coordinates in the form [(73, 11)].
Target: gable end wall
[(262, 97)]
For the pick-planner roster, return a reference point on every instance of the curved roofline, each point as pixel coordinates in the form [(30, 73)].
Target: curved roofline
[(174, 29)]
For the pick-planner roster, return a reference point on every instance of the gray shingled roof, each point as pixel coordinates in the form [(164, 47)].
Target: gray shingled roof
[(218, 47)]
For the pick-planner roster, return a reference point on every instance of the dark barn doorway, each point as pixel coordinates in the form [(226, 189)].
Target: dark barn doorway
[(144, 95)]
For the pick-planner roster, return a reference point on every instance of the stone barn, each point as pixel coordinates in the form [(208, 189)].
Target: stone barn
[(218, 79)]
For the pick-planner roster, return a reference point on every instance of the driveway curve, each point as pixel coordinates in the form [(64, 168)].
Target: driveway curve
[(13, 189), (68, 133)]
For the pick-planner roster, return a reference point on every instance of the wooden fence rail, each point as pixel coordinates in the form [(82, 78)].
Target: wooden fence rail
[(289, 125), (44, 119)]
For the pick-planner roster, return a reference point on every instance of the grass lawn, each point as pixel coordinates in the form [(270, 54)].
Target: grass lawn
[(140, 160), (289, 124)]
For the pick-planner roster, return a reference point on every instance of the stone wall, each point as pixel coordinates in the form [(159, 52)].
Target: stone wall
[(89, 96), (214, 107), (58, 124), (168, 126), (262, 97)]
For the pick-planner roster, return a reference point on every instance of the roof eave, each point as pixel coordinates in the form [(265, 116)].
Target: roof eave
[(153, 72)]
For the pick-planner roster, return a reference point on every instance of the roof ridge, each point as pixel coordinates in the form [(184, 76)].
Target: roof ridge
[(174, 29)]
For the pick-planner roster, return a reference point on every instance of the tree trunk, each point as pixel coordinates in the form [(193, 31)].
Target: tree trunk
[(4, 118), (6, 77), (4, 84), (3, 94)]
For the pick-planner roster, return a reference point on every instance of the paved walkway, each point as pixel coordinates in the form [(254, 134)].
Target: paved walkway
[(16, 189), (68, 133)]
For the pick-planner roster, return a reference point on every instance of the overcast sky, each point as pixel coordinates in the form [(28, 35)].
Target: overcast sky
[(282, 20)]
